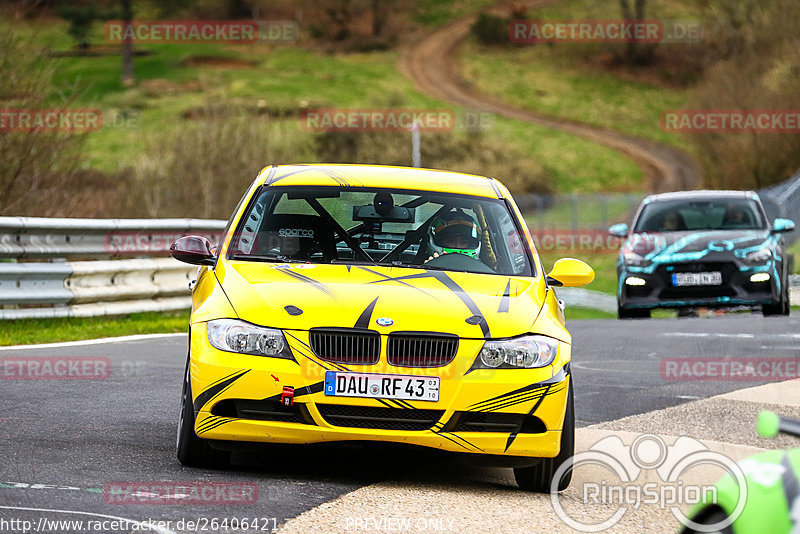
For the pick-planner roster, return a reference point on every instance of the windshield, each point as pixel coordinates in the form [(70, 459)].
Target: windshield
[(381, 226), (700, 214)]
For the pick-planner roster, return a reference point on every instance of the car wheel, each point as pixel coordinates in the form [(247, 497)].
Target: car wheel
[(782, 307), (539, 477), (191, 450), (626, 313)]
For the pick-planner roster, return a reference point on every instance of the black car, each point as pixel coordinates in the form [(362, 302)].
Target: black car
[(702, 249)]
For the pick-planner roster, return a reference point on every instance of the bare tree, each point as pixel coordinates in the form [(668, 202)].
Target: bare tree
[(127, 44), (636, 53)]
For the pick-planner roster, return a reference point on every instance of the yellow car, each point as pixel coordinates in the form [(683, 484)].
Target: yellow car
[(377, 303)]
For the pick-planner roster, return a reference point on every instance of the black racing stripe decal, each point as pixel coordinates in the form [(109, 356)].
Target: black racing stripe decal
[(289, 174), (506, 396), (450, 284), (451, 439), (405, 404), (366, 315), (211, 423), (336, 365), (389, 278), (216, 389), (527, 398), (303, 278), (504, 300), (513, 435), (560, 376)]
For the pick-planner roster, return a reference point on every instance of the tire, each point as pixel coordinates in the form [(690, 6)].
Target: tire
[(782, 307), (191, 450), (539, 477), (627, 313)]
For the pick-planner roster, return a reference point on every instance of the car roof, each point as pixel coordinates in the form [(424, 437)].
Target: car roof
[(387, 176), (701, 194)]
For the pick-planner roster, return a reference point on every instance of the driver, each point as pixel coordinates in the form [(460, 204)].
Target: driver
[(455, 232)]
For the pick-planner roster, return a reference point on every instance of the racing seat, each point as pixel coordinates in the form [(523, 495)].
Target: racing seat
[(298, 237)]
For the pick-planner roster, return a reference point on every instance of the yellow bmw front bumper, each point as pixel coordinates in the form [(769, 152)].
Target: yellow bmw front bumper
[(514, 412)]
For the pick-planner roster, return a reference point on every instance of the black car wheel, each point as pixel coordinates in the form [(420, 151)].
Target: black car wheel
[(191, 450), (539, 477), (782, 307)]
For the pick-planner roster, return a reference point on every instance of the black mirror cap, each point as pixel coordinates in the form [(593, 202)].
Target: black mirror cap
[(193, 249)]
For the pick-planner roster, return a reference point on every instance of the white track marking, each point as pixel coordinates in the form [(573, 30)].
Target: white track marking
[(84, 342), (145, 524)]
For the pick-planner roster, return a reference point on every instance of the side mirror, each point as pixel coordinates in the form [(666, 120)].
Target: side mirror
[(193, 249), (780, 226), (618, 230), (569, 272)]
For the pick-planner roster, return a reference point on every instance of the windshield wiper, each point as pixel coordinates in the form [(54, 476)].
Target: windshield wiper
[(395, 263)]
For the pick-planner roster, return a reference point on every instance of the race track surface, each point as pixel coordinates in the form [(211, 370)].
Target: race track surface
[(63, 441)]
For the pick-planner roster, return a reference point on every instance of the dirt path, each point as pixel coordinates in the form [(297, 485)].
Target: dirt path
[(432, 63)]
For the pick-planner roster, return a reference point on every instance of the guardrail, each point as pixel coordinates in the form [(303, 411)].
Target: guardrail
[(101, 287)]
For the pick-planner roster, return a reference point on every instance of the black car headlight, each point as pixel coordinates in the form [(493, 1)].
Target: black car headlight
[(759, 256), (232, 335), (525, 352)]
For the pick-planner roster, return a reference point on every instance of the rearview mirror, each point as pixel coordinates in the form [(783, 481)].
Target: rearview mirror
[(193, 249), (569, 272), (618, 230), (782, 225)]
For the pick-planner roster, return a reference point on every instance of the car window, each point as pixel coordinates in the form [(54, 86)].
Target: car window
[(371, 225), (700, 214)]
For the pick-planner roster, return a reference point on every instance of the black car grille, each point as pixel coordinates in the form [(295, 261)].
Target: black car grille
[(728, 270), (381, 418), (262, 410), (421, 349), (358, 347), (495, 422)]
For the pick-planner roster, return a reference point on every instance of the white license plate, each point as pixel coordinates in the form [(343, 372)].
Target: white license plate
[(375, 386), (697, 279)]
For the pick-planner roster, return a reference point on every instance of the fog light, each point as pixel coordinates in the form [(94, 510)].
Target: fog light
[(635, 281), (759, 277)]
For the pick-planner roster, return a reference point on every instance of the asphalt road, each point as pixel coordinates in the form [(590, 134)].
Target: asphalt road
[(63, 441)]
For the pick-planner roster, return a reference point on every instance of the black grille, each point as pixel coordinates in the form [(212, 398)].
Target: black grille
[(495, 422), (381, 418), (359, 347), (262, 410), (421, 349)]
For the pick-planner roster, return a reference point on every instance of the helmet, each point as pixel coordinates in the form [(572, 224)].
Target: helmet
[(455, 232)]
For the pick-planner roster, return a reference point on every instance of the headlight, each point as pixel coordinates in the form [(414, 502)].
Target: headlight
[(759, 256), (631, 258), (525, 352), (232, 335)]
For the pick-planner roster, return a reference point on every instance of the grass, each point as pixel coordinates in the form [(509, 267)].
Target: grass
[(572, 313), (291, 78), (566, 79), (604, 265), (795, 249), (32, 331)]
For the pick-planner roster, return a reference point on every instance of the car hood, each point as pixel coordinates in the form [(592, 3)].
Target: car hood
[(691, 246), (303, 296)]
